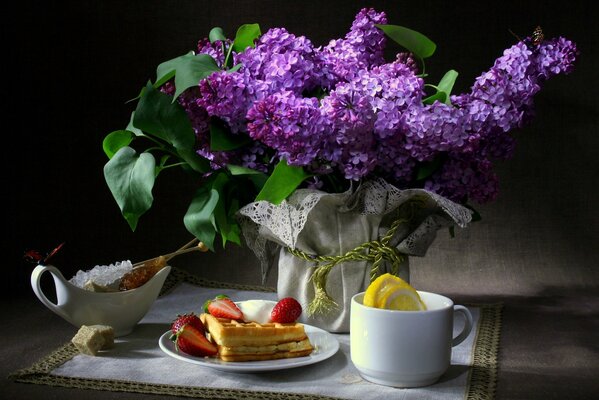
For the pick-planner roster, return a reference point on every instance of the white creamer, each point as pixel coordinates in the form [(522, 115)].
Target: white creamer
[(121, 310)]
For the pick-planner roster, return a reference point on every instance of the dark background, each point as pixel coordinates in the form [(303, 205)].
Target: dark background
[(70, 66)]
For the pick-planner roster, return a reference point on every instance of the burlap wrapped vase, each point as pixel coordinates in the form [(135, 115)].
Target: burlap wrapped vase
[(330, 246)]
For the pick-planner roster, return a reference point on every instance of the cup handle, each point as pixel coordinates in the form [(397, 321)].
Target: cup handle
[(467, 325), (37, 288)]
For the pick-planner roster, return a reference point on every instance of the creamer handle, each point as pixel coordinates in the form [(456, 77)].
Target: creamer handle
[(37, 289)]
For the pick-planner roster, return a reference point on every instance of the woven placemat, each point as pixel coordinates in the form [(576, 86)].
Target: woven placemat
[(482, 378)]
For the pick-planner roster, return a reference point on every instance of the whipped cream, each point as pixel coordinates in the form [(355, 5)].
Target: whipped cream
[(256, 310)]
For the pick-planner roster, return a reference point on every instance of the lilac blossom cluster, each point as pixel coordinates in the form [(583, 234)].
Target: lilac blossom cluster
[(369, 119)]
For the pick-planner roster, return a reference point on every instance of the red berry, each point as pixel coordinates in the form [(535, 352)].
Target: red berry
[(185, 319), (191, 341), (223, 307), (287, 310)]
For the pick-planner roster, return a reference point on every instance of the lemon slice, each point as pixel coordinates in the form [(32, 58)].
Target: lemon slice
[(400, 298), (377, 288), (392, 293)]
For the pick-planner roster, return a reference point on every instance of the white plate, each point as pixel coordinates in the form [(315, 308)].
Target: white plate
[(325, 345)]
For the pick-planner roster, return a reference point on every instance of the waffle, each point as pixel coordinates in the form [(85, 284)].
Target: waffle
[(270, 352), (251, 341), (232, 333)]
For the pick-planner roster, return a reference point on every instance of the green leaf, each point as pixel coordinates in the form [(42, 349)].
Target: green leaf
[(130, 178), (475, 214), (233, 234), (452, 231), (258, 181), (234, 68), (318, 92), (446, 84), (188, 70), (246, 34), (257, 178), (239, 170), (162, 164), (221, 221), (192, 70), (114, 141), (163, 79), (413, 41), (156, 114), (216, 34), (282, 182), (199, 219), (475, 217), (194, 160), (141, 93), (132, 128), (221, 139), (439, 96), (166, 70), (427, 168)]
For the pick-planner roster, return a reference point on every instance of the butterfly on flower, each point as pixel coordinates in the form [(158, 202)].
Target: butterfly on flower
[(537, 36), (35, 257)]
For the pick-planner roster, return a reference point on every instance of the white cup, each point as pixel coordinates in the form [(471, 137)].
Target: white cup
[(405, 348)]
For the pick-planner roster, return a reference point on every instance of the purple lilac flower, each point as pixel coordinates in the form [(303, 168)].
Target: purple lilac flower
[(555, 56), (408, 60), (361, 49), (252, 157), (400, 89), (433, 129), (282, 61), (225, 95), (291, 125), (351, 142), (465, 178), (394, 162), (392, 88), (215, 50), (502, 98), (373, 122), (193, 103)]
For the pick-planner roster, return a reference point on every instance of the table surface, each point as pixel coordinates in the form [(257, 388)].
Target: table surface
[(548, 348)]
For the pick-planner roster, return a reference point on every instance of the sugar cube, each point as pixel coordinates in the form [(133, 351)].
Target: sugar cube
[(93, 338)]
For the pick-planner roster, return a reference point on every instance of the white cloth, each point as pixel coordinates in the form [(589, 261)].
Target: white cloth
[(137, 357)]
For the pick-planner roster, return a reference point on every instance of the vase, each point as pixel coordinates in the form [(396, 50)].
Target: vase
[(330, 246)]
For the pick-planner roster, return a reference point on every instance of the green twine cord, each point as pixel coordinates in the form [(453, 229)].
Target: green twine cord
[(375, 251)]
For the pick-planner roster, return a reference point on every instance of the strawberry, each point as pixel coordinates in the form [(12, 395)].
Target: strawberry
[(287, 310), (190, 340), (185, 319), (223, 307)]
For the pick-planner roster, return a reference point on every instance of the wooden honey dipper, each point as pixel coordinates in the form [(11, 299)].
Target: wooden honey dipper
[(143, 271)]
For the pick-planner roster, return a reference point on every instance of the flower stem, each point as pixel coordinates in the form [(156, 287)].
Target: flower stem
[(226, 63)]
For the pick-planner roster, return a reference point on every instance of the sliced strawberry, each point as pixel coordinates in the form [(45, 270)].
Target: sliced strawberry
[(287, 310), (223, 307), (185, 319), (191, 341)]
